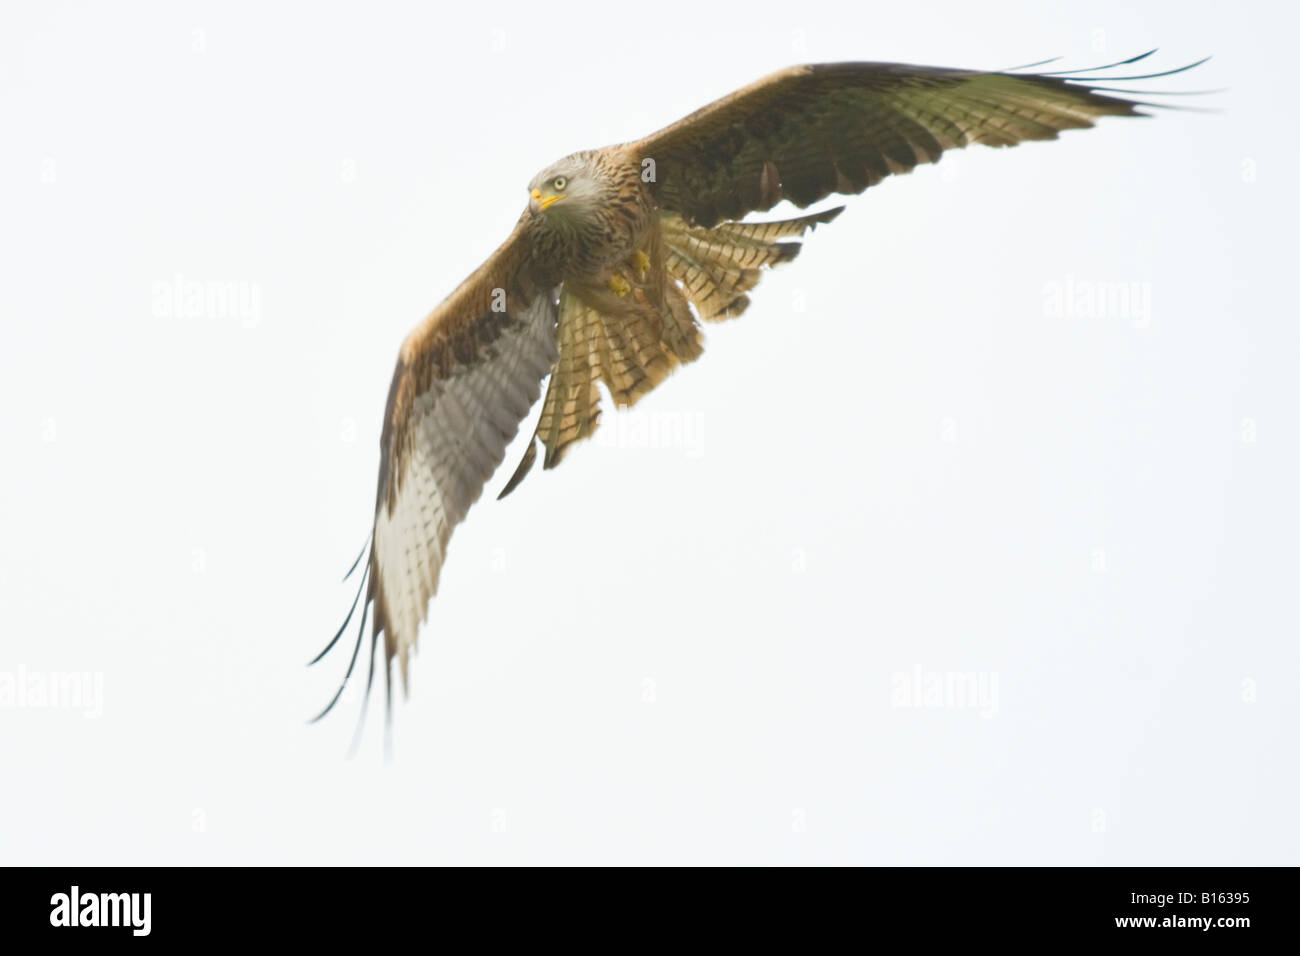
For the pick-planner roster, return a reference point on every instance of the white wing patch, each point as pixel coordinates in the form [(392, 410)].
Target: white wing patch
[(459, 428)]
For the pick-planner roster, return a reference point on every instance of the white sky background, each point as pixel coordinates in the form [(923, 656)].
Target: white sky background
[(689, 652)]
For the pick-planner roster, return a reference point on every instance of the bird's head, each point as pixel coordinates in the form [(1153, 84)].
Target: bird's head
[(567, 192)]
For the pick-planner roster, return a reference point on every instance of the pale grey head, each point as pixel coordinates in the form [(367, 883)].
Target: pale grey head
[(570, 191)]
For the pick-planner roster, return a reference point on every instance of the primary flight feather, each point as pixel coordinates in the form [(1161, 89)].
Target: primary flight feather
[(619, 255)]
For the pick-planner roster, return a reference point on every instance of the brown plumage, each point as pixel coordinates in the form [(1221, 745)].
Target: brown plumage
[(620, 252)]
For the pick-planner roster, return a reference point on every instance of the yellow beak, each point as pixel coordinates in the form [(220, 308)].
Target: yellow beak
[(540, 204)]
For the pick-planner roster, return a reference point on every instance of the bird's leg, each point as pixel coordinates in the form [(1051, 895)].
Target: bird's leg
[(642, 260), (618, 285)]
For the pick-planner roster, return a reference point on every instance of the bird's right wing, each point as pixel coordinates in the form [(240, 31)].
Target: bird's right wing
[(466, 377)]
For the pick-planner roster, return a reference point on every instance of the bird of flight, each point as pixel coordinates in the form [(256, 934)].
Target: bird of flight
[(621, 253)]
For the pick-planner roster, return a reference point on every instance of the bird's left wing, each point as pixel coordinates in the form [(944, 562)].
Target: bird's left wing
[(809, 131), (466, 377)]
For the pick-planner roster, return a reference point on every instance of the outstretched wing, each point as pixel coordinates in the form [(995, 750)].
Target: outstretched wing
[(809, 131), (466, 377)]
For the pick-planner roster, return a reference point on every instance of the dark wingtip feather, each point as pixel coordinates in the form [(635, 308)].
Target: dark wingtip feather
[(1125, 89), (388, 712), (344, 626), (351, 664), (1099, 86), (1171, 107), (1094, 69), (365, 702), (361, 555), (1030, 66), (1138, 76)]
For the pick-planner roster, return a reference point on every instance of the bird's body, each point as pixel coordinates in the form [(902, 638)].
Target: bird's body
[(621, 252)]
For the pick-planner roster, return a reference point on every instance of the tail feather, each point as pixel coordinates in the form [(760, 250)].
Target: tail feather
[(717, 266), (633, 340)]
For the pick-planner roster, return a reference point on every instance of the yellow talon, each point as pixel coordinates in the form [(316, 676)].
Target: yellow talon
[(619, 286), (642, 263)]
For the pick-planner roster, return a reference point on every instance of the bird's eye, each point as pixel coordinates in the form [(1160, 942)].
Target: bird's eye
[(560, 183)]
